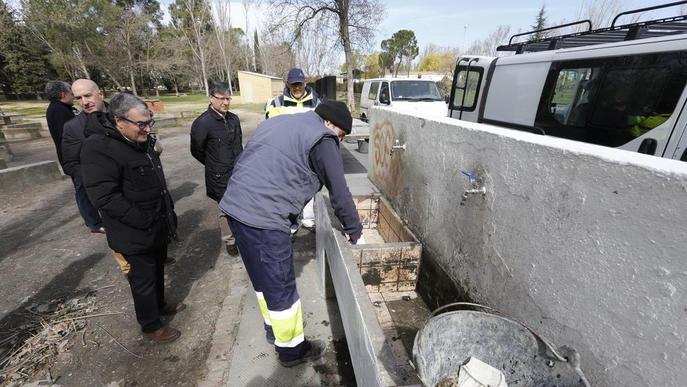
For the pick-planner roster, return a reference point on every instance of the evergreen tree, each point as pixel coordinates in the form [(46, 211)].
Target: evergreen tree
[(256, 50), (540, 23), (25, 67)]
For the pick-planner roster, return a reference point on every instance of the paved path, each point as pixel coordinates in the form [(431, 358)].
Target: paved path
[(46, 253)]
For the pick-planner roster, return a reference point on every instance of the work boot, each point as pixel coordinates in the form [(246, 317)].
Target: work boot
[(315, 351), (172, 308), (163, 335)]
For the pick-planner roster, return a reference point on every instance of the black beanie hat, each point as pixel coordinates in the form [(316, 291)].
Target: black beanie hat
[(336, 112)]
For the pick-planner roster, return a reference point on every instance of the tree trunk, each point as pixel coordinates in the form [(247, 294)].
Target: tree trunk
[(176, 89), (114, 80), (80, 61), (342, 6), (204, 71), (132, 82)]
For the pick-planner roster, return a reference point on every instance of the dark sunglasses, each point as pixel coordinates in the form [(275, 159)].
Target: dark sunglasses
[(141, 125)]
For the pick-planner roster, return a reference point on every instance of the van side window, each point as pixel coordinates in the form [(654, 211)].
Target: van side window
[(374, 88), (611, 101), (384, 96), (471, 90)]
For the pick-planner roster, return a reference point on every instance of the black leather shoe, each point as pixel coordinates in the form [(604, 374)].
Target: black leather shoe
[(315, 352)]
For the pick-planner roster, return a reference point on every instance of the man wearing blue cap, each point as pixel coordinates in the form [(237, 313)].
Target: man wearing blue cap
[(297, 98)]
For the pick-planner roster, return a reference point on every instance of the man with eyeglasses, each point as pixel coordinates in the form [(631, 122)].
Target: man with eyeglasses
[(216, 141), (124, 179), (285, 163)]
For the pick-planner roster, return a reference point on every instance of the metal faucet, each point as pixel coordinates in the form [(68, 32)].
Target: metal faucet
[(397, 146), (475, 190)]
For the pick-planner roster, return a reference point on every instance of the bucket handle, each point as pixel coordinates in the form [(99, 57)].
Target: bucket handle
[(548, 345)]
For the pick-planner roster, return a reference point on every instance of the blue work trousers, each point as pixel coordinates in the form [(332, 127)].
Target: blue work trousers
[(268, 258)]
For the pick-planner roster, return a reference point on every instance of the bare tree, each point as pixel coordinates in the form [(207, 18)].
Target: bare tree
[(350, 21), (222, 14), (190, 18), (489, 45)]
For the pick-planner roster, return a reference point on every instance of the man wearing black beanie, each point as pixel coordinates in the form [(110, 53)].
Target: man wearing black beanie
[(285, 163)]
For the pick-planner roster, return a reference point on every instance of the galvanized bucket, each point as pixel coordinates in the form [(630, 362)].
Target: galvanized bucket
[(524, 358)]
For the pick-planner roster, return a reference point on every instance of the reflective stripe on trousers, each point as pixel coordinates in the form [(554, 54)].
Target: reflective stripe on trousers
[(268, 258)]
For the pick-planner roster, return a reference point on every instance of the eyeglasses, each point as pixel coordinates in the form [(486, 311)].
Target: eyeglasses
[(297, 84), (226, 99), (141, 125)]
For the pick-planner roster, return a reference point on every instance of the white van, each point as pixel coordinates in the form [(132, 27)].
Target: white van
[(621, 86), (411, 95)]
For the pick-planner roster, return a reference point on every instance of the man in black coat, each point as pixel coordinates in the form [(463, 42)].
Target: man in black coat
[(60, 111), (216, 141), (91, 99), (124, 179)]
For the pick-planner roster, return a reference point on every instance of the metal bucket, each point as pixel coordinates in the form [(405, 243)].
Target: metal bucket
[(448, 340), (363, 145)]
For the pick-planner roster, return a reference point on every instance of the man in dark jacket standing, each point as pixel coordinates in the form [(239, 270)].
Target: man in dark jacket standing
[(91, 99), (216, 141), (60, 111), (285, 163), (124, 179)]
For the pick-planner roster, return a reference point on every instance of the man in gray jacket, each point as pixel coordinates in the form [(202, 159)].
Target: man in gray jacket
[(285, 163)]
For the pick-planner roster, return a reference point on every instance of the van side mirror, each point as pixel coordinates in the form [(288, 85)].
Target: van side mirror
[(384, 98), (446, 97)]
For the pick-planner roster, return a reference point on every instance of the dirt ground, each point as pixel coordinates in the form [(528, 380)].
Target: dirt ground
[(46, 253)]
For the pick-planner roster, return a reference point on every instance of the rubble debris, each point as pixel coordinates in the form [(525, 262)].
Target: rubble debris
[(26, 349)]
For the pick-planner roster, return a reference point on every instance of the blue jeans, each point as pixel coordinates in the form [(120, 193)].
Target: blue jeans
[(88, 211)]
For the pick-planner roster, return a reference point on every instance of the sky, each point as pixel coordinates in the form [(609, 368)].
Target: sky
[(455, 23)]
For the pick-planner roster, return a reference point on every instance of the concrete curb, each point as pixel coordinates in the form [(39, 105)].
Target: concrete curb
[(226, 328), (24, 177)]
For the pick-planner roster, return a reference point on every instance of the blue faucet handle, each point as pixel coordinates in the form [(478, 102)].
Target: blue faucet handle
[(471, 176)]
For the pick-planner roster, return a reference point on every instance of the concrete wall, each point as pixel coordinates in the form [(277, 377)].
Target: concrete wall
[(586, 244), (27, 177)]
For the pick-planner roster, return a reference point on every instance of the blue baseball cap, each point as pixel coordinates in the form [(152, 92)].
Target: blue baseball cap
[(295, 76)]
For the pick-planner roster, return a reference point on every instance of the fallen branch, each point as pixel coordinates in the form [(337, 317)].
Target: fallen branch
[(88, 316), (117, 341)]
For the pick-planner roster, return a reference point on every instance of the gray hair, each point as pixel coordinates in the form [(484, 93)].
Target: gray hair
[(55, 89), (220, 88), (121, 103)]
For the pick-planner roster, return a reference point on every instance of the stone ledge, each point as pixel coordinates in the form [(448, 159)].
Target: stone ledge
[(26, 177)]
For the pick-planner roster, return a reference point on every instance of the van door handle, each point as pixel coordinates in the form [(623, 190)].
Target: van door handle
[(648, 146)]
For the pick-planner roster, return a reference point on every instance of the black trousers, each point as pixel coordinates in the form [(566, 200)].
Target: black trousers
[(147, 282)]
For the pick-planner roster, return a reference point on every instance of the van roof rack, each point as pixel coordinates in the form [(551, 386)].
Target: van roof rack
[(615, 33)]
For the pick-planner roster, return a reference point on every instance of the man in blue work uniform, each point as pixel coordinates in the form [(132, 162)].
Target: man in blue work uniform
[(282, 167), (298, 97)]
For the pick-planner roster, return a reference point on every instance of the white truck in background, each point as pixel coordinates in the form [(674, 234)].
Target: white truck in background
[(410, 95), (622, 86)]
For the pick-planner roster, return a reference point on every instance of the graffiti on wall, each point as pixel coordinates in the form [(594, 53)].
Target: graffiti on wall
[(385, 167)]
